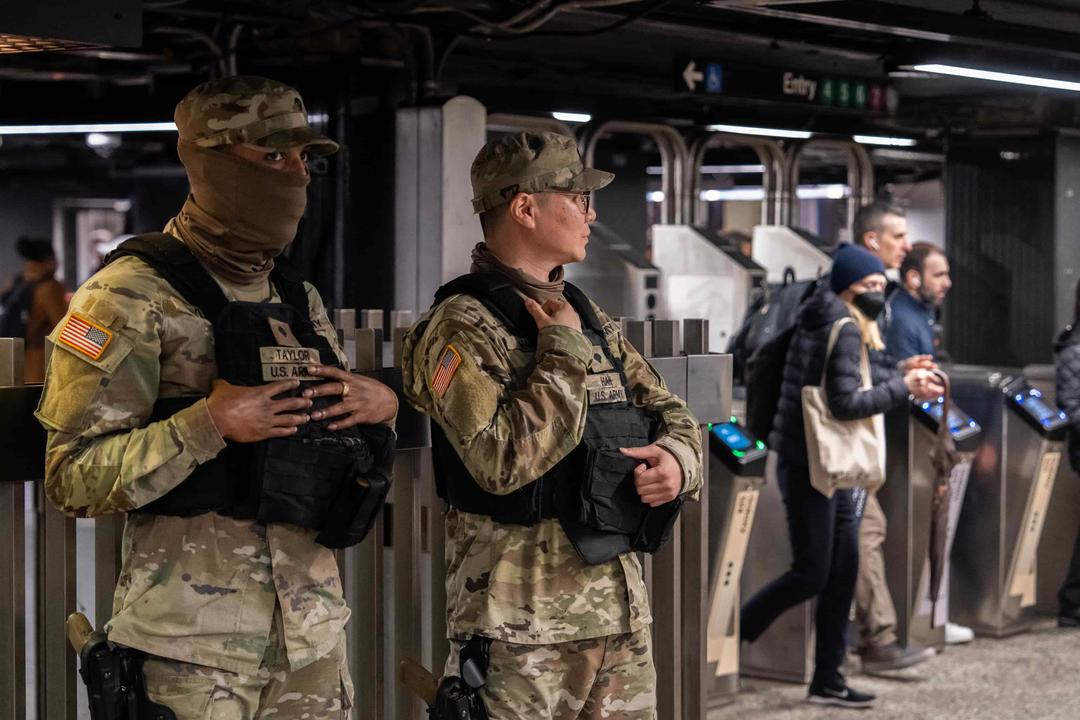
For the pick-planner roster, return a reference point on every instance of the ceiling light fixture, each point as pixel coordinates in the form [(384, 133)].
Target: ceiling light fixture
[(572, 117), (92, 128), (880, 140), (766, 132), (977, 74)]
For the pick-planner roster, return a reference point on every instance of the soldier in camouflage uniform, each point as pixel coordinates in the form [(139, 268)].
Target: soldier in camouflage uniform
[(239, 619), (569, 639)]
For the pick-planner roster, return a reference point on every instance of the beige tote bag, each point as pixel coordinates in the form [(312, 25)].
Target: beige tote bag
[(842, 454)]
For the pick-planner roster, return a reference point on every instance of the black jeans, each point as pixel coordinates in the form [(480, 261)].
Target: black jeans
[(824, 536)]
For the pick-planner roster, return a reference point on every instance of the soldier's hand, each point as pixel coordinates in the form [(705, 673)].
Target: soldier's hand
[(659, 478), (250, 414), (363, 401), (553, 312)]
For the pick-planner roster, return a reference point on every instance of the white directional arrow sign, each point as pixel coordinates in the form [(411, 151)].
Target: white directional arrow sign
[(692, 76)]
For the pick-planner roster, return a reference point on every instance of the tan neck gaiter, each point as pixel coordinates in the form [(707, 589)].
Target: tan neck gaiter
[(483, 260), (239, 215)]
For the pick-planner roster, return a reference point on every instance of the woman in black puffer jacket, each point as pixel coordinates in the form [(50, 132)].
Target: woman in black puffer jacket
[(824, 531), (1067, 377)]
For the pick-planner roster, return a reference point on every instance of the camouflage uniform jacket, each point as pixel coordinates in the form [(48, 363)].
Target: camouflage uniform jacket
[(202, 589), (512, 412)]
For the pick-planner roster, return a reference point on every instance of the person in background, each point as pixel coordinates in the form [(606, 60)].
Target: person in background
[(33, 303), (824, 530), (924, 283), (881, 229), (1067, 387)]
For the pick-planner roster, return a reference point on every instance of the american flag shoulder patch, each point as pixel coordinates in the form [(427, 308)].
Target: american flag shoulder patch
[(85, 336), (449, 362)]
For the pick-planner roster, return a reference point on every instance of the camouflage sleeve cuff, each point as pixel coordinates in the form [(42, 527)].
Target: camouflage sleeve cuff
[(559, 338), (197, 430), (688, 461)]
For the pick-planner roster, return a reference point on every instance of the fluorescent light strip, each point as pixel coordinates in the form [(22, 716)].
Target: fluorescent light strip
[(880, 140), (803, 192), (747, 169), (96, 128), (767, 132), (572, 117), (977, 74)]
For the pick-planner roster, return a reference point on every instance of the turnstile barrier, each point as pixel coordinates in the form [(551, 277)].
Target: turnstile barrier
[(906, 499), (734, 484), (993, 584)]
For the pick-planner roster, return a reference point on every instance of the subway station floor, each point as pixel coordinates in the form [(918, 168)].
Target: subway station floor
[(1032, 676)]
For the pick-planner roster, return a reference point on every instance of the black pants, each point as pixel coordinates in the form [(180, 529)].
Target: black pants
[(1069, 594), (825, 541)]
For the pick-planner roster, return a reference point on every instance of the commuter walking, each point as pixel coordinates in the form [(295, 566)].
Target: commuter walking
[(1067, 380), (33, 303), (551, 434), (881, 228), (162, 402), (824, 530)]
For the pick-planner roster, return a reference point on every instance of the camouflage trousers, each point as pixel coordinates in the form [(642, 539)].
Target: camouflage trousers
[(322, 690), (608, 677)]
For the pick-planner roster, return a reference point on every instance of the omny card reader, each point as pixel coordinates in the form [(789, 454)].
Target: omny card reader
[(1050, 422), (734, 485), (743, 454), (965, 431)]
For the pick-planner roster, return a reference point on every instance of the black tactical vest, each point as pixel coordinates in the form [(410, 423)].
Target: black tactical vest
[(334, 482), (591, 491)]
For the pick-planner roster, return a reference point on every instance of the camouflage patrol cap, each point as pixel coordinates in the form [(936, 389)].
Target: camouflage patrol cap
[(530, 162), (248, 109)]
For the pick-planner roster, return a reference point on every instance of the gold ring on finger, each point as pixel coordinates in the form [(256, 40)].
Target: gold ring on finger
[(344, 389)]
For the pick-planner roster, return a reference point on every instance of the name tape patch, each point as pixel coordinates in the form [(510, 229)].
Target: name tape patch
[(605, 388), (85, 336), (449, 362), (287, 363)]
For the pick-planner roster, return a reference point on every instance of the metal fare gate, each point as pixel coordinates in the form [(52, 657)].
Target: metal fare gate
[(393, 581)]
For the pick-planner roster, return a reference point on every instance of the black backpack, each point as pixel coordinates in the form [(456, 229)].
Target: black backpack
[(760, 350)]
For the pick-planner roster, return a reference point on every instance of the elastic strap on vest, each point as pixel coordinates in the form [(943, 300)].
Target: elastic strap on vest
[(178, 265), (499, 296)]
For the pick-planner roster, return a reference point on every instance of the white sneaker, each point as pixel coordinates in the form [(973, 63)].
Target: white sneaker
[(958, 634)]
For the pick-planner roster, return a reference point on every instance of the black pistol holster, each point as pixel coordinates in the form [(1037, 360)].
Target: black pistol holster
[(458, 696), (115, 685)]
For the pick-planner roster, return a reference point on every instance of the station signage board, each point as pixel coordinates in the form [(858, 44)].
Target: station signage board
[(707, 77)]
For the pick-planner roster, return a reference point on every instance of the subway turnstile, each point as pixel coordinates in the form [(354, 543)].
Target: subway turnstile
[(1062, 517), (786, 650), (734, 484), (906, 498), (993, 583)]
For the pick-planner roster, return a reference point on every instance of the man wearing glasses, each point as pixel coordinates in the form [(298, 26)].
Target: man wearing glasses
[(516, 368)]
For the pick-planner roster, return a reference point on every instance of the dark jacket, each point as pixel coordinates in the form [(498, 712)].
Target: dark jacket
[(843, 387), (1067, 386), (911, 327)]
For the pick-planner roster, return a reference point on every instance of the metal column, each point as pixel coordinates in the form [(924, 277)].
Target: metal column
[(435, 228)]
